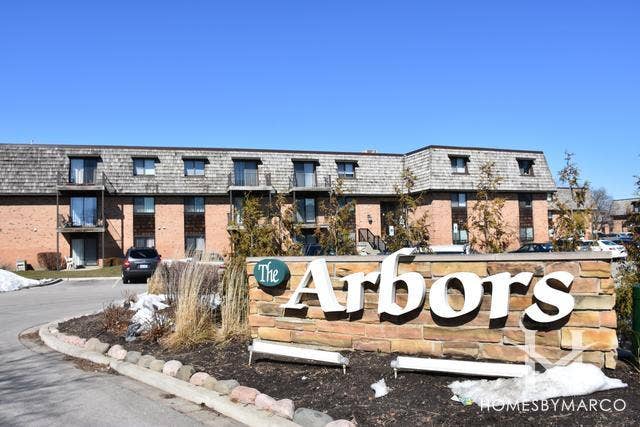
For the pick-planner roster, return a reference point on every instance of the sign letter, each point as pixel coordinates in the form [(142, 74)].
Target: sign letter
[(317, 270)]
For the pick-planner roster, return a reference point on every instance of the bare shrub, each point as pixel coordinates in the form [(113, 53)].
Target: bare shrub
[(157, 328), (115, 318), (194, 314), (51, 260), (235, 299)]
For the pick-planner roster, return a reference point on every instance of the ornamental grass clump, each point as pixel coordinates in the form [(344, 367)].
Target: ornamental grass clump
[(195, 311), (235, 300)]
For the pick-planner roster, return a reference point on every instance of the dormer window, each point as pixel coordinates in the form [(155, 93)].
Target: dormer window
[(193, 167), (526, 167), (346, 169), (144, 166), (459, 164)]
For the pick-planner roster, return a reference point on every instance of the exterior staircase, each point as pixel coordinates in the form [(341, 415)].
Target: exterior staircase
[(370, 243)]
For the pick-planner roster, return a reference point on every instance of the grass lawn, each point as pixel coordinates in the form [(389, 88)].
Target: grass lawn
[(114, 271)]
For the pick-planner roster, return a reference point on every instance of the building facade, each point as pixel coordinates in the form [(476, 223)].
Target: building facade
[(94, 202)]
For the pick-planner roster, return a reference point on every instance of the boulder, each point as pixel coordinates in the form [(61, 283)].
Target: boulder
[(145, 361), (198, 378), (284, 408), (185, 372), (132, 356), (225, 386), (156, 365), (311, 418), (171, 368), (242, 394), (117, 352), (210, 383), (94, 344), (264, 402)]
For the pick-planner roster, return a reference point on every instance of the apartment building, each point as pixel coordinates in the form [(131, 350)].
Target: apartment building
[(94, 202)]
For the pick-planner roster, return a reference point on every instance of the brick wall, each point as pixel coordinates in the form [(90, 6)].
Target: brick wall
[(366, 206), (593, 314)]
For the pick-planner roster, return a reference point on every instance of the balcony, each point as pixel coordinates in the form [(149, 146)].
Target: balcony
[(309, 181), (88, 224), (249, 180), (81, 180)]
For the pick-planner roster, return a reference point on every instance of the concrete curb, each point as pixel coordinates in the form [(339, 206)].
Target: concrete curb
[(199, 395), (84, 279)]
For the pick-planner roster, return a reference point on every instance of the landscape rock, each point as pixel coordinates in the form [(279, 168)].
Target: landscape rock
[(210, 383), (132, 356), (171, 368), (74, 340), (311, 418), (185, 372), (264, 402), (156, 365), (117, 352), (225, 386), (94, 344), (243, 394), (284, 408), (145, 361), (198, 378), (341, 423)]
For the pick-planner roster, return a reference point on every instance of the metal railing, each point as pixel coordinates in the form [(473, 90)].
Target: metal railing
[(249, 178), (376, 242), (68, 222), (310, 180)]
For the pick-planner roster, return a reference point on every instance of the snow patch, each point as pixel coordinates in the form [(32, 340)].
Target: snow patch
[(145, 306), (576, 379), (380, 388), (12, 282)]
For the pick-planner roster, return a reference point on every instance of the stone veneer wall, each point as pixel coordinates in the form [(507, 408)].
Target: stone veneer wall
[(593, 314)]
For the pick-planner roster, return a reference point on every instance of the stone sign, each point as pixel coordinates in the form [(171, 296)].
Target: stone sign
[(471, 306)]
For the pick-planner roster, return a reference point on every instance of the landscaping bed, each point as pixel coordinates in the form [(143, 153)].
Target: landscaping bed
[(414, 398)]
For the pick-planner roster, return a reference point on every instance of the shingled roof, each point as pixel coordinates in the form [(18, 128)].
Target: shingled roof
[(34, 169), (623, 207)]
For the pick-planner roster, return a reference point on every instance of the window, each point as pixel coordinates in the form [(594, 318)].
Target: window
[(304, 174), (82, 171), (459, 232), (526, 167), (144, 242), (144, 166), (245, 172), (193, 244), (84, 211), (346, 169), (459, 164), (306, 210), (549, 197), (193, 167), (459, 200), (194, 204), (144, 205), (525, 212), (636, 207), (524, 200), (238, 209)]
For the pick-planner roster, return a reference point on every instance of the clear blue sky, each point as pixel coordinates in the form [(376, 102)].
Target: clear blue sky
[(331, 75)]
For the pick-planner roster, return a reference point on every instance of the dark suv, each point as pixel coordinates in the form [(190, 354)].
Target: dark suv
[(139, 263)]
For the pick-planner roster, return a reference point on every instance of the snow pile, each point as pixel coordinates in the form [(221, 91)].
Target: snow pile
[(145, 306), (12, 282), (380, 388), (575, 379)]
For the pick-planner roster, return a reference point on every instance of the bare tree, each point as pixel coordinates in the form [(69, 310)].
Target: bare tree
[(489, 229), (600, 206), (572, 221)]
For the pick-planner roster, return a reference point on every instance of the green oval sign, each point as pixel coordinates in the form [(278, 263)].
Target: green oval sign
[(271, 272)]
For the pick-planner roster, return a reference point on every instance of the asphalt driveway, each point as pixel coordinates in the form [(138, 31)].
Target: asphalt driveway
[(40, 387)]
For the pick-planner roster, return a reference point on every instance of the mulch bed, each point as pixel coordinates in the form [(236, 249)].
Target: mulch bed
[(414, 399)]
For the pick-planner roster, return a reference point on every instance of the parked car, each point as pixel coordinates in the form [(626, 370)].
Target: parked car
[(534, 247), (617, 251), (139, 263)]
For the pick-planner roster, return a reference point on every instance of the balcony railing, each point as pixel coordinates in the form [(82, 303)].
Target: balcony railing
[(310, 180), (249, 178), (68, 222)]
